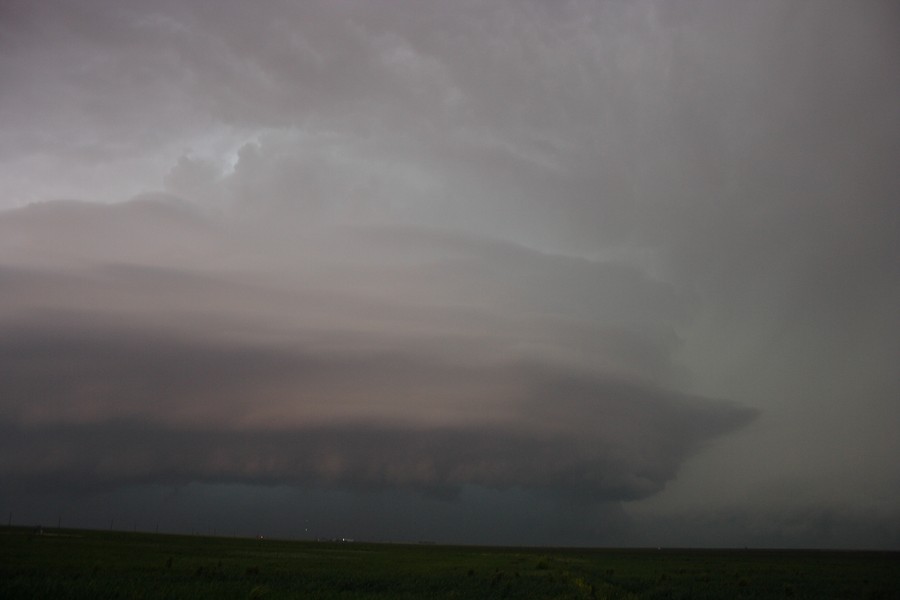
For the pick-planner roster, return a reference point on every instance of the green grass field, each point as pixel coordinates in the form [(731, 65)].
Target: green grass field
[(91, 564)]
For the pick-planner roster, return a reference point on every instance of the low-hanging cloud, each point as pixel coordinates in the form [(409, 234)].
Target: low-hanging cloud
[(471, 368), (445, 219)]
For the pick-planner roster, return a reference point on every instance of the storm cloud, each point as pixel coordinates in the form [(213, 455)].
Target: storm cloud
[(637, 257), (145, 372)]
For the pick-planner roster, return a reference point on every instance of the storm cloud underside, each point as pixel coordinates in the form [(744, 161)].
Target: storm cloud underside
[(636, 261)]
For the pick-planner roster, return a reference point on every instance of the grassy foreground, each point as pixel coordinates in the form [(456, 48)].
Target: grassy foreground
[(92, 564)]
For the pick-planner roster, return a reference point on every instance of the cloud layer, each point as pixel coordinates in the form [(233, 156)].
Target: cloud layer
[(557, 247), (168, 370)]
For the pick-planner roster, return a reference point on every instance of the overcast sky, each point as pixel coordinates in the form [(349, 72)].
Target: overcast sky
[(539, 272)]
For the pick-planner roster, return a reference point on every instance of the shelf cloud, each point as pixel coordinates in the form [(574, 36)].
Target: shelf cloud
[(173, 367), (636, 261)]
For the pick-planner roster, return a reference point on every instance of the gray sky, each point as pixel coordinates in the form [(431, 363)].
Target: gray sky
[(596, 272)]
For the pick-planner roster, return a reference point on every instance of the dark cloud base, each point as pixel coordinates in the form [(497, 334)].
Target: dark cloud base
[(100, 407), (475, 515), (496, 246), (353, 456), (408, 359)]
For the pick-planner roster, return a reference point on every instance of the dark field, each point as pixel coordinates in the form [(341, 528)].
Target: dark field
[(91, 564)]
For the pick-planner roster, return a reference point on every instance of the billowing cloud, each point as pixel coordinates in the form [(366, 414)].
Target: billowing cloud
[(570, 225), (480, 363)]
